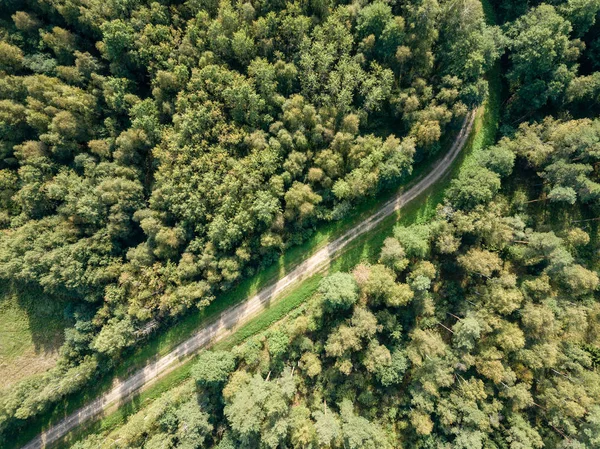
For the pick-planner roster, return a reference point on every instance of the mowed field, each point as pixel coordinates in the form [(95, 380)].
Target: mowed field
[(31, 333)]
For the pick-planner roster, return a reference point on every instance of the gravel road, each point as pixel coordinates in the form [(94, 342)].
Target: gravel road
[(238, 315)]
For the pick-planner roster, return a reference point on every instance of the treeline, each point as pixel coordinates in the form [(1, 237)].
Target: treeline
[(480, 329), (152, 154)]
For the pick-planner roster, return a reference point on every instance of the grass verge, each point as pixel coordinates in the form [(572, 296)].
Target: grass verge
[(31, 332)]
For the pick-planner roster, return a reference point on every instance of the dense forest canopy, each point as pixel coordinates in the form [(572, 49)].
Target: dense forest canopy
[(154, 154), (153, 150)]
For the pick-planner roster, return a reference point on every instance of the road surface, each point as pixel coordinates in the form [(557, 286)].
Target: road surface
[(240, 314)]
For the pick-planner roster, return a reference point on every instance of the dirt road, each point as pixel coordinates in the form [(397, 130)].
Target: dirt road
[(236, 316)]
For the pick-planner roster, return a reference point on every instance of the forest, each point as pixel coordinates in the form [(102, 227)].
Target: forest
[(153, 155)]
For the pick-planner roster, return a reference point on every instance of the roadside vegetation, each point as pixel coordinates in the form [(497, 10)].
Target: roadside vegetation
[(479, 328), (365, 247)]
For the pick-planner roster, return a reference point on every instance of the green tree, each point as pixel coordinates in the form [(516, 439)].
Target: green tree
[(472, 187), (116, 335), (358, 432), (193, 425), (11, 57), (339, 292), (328, 427), (542, 59), (213, 368), (393, 255)]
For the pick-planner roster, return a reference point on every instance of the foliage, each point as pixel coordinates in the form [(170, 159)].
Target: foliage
[(494, 346), (154, 154)]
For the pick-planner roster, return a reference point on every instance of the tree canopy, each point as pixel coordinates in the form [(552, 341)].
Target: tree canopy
[(154, 154)]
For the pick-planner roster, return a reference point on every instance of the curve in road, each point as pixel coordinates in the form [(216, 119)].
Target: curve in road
[(237, 315)]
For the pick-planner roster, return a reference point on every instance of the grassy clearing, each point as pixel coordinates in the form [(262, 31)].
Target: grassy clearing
[(31, 332), (363, 249)]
